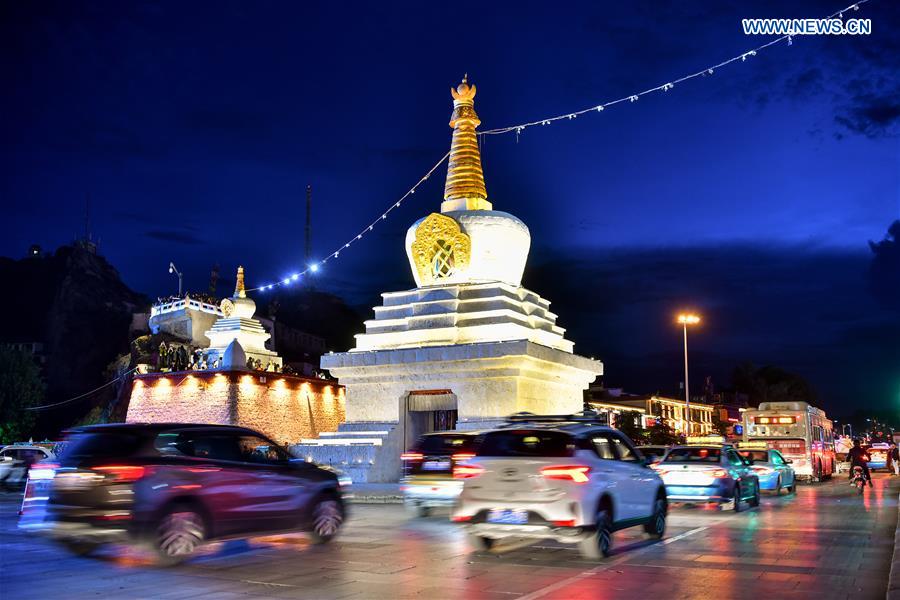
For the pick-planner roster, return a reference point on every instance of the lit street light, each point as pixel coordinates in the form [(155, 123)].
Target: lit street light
[(173, 269), (686, 319)]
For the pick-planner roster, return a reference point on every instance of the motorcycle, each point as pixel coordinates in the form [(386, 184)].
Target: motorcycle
[(859, 480)]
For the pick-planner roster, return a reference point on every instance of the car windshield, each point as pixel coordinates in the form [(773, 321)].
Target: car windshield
[(529, 442), (755, 455), (445, 444), (98, 445), (694, 455)]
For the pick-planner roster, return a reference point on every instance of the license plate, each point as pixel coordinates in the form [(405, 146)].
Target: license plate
[(687, 478), (436, 465), (508, 517)]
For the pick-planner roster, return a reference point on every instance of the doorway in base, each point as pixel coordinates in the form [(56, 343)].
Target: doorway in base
[(425, 411)]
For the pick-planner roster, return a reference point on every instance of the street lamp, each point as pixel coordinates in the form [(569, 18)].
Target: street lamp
[(685, 319), (173, 269)]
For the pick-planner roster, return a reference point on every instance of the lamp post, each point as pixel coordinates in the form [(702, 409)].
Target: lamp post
[(684, 320), (173, 269)]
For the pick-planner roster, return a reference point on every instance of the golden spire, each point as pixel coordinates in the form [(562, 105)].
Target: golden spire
[(464, 189), (239, 291)]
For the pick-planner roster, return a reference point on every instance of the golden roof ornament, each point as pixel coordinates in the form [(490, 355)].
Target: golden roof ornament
[(239, 291), (465, 189)]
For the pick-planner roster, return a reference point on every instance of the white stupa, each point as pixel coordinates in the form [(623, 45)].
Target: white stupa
[(238, 325), (469, 345)]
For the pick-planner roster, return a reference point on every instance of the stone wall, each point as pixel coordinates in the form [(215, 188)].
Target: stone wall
[(284, 407)]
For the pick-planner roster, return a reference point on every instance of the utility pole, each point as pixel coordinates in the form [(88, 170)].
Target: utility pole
[(308, 254)]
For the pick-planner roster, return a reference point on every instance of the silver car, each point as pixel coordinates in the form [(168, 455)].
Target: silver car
[(570, 480)]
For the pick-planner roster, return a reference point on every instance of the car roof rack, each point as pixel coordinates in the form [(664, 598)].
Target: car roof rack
[(585, 417)]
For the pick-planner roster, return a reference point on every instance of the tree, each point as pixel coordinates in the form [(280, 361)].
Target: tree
[(629, 423), (661, 434), (771, 384), (720, 426), (20, 388)]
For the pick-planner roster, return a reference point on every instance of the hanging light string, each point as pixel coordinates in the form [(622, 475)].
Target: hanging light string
[(80, 396), (665, 87), (518, 129), (312, 268)]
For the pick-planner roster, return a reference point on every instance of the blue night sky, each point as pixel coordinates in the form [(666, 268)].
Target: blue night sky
[(750, 194)]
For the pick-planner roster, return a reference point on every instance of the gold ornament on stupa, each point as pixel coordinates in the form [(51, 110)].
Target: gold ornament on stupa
[(440, 248), (465, 188), (239, 291)]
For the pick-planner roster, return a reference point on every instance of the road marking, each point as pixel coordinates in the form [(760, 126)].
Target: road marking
[(606, 565)]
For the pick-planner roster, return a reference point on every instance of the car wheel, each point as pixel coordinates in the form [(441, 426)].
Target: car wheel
[(598, 544), (754, 501), (80, 547), (481, 543), (737, 497), (423, 511), (656, 527), (778, 486), (327, 519), (179, 533)]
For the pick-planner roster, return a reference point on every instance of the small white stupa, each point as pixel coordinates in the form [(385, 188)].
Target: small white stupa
[(238, 325)]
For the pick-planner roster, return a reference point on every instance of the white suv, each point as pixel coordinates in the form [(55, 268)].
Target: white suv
[(565, 478)]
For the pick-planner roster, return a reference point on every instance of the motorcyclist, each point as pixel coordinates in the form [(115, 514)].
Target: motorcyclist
[(859, 457)]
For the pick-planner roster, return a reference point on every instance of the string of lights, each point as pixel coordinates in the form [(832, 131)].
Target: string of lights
[(664, 87), (80, 396), (521, 127), (314, 267)]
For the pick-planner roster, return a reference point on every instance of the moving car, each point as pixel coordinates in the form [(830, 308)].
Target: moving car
[(567, 478), (428, 469), (15, 460), (773, 470), (878, 452), (176, 486), (709, 473), (653, 454)]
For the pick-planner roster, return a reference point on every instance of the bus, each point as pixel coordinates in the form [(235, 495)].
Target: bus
[(800, 431)]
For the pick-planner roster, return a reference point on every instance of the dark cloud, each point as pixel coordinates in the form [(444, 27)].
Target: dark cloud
[(872, 116), (176, 237)]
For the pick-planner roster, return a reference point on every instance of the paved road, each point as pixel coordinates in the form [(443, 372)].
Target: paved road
[(823, 542)]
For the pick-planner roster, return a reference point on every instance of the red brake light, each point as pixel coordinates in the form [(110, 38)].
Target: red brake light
[(461, 518), (411, 456), (575, 473), (719, 473), (122, 473), (463, 456), (467, 471), (566, 523)]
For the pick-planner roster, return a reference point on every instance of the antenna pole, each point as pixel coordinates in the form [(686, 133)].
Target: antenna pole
[(308, 224)]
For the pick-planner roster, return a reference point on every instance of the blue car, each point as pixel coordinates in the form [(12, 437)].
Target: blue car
[(774, 471), (709, 474)]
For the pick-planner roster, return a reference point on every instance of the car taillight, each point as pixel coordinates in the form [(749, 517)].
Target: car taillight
[(411, 456), (461, 518), (575, 473), (565, 523), (121, 473), (459, 456), (719, 473), (467, 471)]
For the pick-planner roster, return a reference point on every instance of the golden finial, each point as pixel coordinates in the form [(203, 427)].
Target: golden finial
[(465, 188), (239, 291)]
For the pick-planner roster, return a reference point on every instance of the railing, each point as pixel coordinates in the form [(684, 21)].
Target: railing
[(161, 308)]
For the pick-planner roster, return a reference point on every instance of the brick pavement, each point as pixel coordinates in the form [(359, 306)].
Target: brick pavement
[(823, 542)]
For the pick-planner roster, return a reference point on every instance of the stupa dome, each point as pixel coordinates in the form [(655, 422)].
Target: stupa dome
[(499, 244), (468, 241)]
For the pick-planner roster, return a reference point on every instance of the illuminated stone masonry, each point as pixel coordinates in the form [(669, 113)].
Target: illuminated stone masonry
[(467, 347), (286, 408)]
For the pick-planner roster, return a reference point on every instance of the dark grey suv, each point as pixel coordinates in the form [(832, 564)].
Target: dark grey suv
[(176, 486)]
